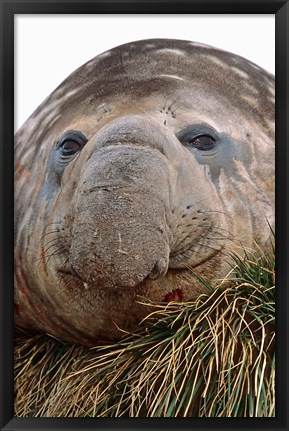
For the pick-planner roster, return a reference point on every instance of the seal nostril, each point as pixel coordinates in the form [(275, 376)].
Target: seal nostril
[(159, 270)]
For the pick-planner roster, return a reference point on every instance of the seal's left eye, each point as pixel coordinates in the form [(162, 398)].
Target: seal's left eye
[(201, 137), (71, 143)]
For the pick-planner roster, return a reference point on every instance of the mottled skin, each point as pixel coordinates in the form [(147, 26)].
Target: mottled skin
[(143, 203)]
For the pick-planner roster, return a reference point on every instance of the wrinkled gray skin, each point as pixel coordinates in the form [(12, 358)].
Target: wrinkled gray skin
[(177, 171)]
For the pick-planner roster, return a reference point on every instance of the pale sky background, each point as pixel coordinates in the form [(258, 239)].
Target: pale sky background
[(49, 47)]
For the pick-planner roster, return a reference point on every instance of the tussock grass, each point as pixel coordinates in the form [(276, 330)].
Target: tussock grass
[(209, 357)]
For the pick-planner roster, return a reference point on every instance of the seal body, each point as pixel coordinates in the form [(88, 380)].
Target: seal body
[(151, 162)]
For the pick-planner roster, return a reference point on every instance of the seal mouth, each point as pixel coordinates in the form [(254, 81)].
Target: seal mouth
[(159, 271)]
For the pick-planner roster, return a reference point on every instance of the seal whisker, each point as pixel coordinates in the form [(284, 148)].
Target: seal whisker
[(49, 242), (41, 240), (221, 238), (189, 206), (201, 243), (165, 103), (44, 258), (215, 250), (55, 253), (228, 237), (55, 242), (178, 241), (49, 233), (217, 211), (217, 230), (52, 223), (57, 230), (174, 110)]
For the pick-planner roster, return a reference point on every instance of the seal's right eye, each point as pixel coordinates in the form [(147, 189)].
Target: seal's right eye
[(71, 143), (202, 142)]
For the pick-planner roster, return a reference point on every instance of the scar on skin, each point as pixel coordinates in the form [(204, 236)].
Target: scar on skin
[(174, 295)]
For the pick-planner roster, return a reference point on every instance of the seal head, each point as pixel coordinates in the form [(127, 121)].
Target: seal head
[(151, 162)]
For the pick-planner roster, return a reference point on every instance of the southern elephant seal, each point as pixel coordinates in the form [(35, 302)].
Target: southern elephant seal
[(152, 161)]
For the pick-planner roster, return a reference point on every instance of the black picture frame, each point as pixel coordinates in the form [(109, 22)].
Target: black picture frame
[(8, 9)]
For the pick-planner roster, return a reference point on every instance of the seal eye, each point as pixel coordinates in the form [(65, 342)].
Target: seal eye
[(71, 143), (202, 142), (70, 147), (198, 136)]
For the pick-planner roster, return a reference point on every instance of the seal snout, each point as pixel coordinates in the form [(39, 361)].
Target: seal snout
[(120, 235)]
